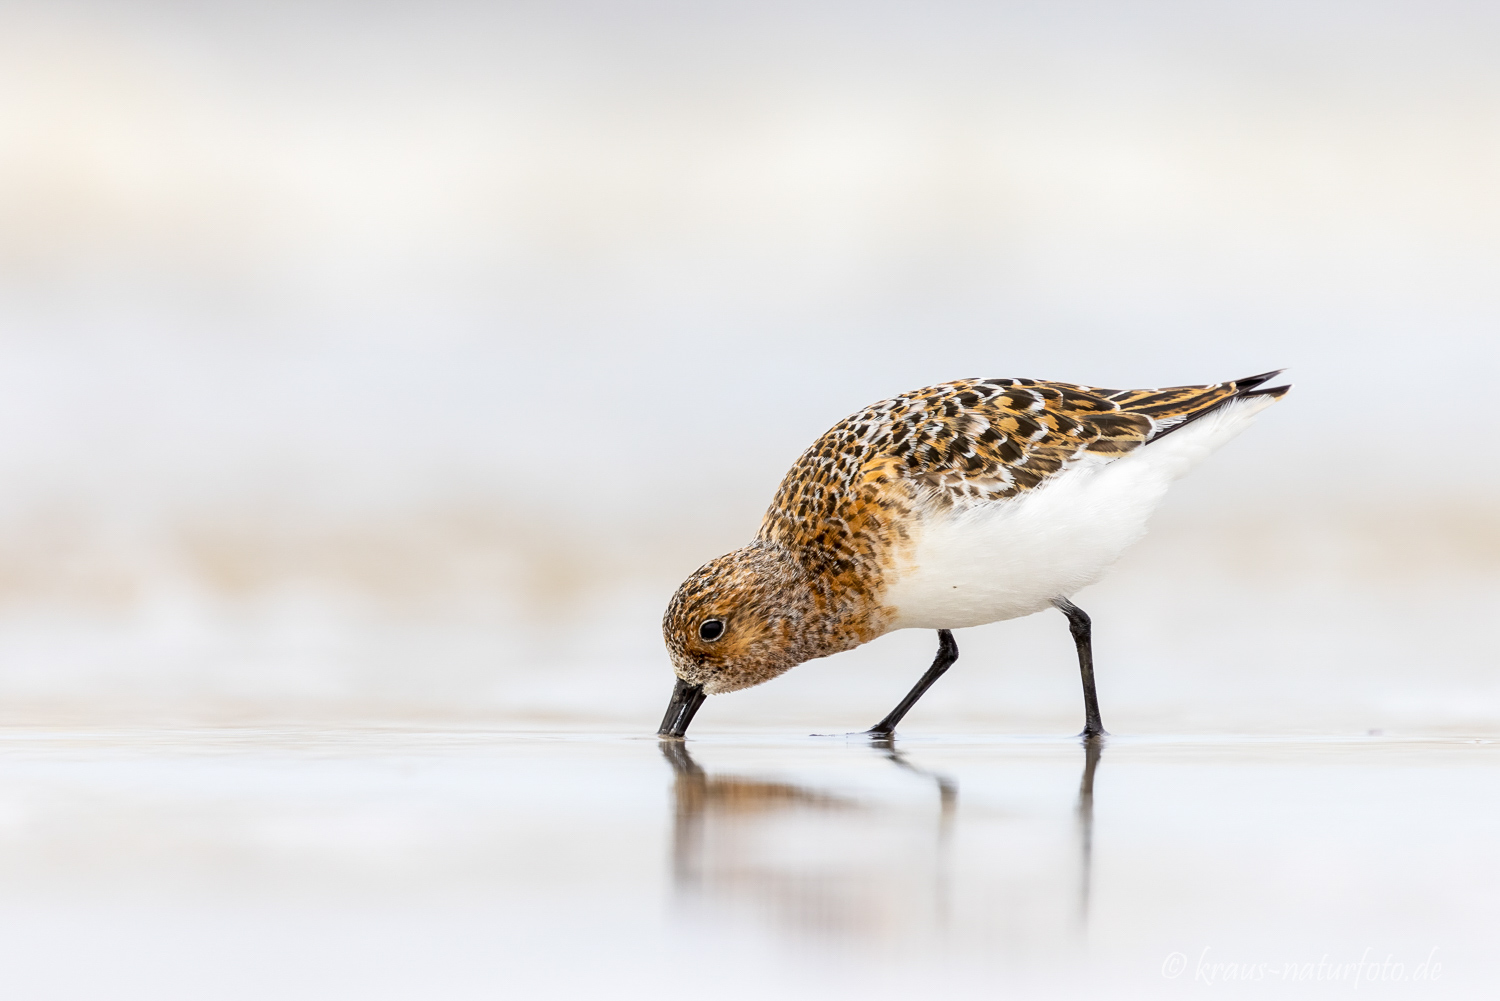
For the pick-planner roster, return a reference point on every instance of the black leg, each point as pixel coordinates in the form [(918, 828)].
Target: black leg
[(1078, 623), (947, 654)]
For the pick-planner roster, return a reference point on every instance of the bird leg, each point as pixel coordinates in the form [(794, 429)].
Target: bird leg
[(1078, 624), (946, 655)]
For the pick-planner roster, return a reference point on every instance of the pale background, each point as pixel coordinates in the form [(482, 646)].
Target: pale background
[(371, 373), (372, 361)]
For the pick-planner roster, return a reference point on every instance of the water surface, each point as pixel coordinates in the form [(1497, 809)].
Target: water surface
[(403, 862)]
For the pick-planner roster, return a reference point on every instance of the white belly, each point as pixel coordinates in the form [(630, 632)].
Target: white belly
[(1008, 559)]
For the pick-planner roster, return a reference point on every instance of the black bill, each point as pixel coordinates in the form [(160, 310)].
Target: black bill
[(686, 699)]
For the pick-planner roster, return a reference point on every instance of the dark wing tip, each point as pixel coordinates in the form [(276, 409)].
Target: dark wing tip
[(1251, 381), (1242, 388)]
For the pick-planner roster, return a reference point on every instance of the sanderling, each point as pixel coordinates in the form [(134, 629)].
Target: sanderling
[(956, 505)]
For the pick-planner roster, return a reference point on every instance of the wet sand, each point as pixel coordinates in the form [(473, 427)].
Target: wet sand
[(400, 862)]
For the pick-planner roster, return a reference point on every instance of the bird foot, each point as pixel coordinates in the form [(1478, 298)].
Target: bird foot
[(873, 736)]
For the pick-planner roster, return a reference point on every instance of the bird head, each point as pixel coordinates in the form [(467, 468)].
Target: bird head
[(739, 620)]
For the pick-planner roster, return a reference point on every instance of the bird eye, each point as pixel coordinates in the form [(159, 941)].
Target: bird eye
[(711, 630)]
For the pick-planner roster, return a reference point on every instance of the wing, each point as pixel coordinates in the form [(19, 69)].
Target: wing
[(967, 442)]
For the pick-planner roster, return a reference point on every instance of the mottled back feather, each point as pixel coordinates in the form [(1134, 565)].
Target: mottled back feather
[(970, 442)]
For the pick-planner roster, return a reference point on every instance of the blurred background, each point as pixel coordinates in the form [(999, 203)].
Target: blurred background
[(397, 360)]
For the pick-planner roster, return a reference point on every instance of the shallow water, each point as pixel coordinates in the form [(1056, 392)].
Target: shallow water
[(401, 862)]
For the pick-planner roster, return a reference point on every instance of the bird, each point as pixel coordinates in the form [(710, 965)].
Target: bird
[(956, 505)]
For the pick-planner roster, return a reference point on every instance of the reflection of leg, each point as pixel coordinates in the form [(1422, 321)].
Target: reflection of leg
[(947, 788), (1078, 624), (947, 654), (948, 805), (1092, 748)]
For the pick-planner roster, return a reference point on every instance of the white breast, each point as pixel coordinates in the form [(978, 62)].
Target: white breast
[(969, 566)]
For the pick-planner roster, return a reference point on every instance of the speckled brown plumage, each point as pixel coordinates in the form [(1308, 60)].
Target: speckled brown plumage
[(809, 584), (972, 441)]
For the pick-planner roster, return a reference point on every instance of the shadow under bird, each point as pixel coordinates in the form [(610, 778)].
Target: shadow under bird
[(952, 506)]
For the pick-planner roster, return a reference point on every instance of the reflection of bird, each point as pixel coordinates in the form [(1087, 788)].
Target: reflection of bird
[(952, 506), (697, 792), (698, 795), (802, 854), (831, 859)]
